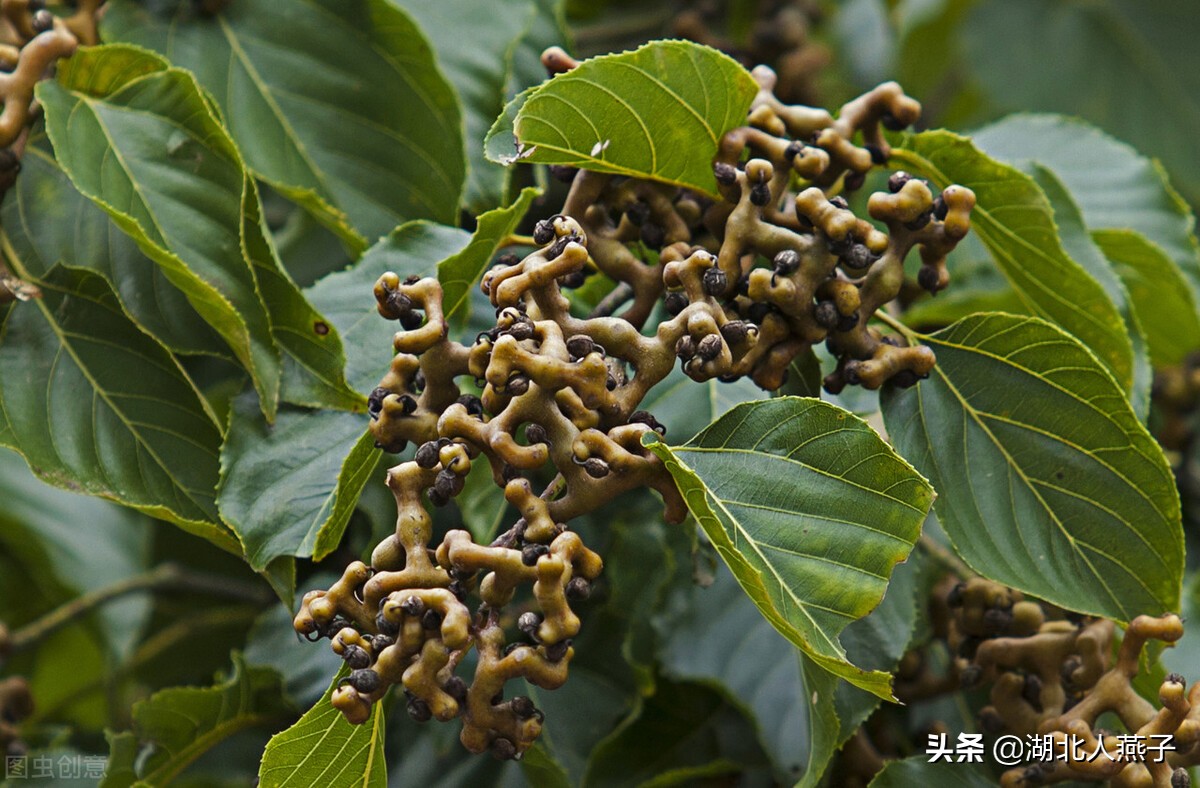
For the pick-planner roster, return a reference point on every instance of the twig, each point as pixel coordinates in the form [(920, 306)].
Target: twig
[(619, 295), (947, 559), (166, 577)]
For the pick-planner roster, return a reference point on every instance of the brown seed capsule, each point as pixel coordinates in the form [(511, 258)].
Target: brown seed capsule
[(578, 589), (532, 552), (427, 455), (456, 688), (596, 467), (786, 262), (580, 345), (472, 403), (709, 347), (558, 650), (858, 257), (760, 194), (529, 623), (503, 750), (685, 348), (517, 385), (543, 232), (726, 174), (826, 314), (1031, 692), (375, 402), (419, 710), (413, 606), (365, 681), (715, 281), (536, 433), (522, 330), (524, 709), (897, 180), (411, 321), (675, 302), (356, 657), (644, 417)]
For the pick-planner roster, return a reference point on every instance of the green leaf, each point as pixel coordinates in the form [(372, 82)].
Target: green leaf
[(161, 166), (461, 271), (1082, 248), (685, 407), (338, 104), (313, 359), (1016, 223), (810, 509), (47, 221), (324, 750), (715, 635), (96, 406), (1115, 186), (1162, 299), (289, 488), (1125, 65), (1048, 482), (304, 668), (685, 732), (657, 112), (346, 297), (547, 27), (479, 73), (919, 771), (39, 526), (173, 727)]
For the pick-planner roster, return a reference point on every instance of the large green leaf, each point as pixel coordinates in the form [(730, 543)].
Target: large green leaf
[(304, 668), (1082, 248), (686, 732), (322, 750), (336, 103), (657, 112), (47, 221), (685, 407), (811, 509), (919, 771), (1015, 221), (289, 488), (39, 527), (479, 73), (346, 297), (803, 713), (1126, 65), (313, 360), (1116, 187), (461, 271), (1164, 302), (174, 727), (97, 406), (152, 156), (1047, 481)]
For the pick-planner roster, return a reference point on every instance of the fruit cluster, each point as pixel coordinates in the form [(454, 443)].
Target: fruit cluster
[(739, 286)]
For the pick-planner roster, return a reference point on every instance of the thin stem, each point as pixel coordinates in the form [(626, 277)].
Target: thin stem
[(619, 295), (166, 577), (518, 240), (893, 323)]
